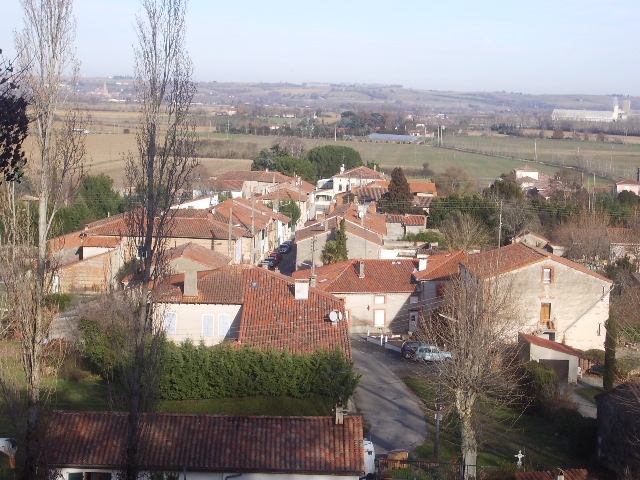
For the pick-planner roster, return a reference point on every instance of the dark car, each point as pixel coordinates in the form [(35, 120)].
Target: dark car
[(409, 347), (285, 247), (596, 369), (274, 259)]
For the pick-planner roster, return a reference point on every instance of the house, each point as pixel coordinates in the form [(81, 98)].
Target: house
[(379, 295), (191, 256), (252, 182), (539, 241), (624, 242), (423, 193), (627, 185), (345, 181), (558, 299), (619, 429), (557, 474), (565, 360), (400, 225), (289, 193), (248, 305), (81, 445), (365, 232), (434, 274)]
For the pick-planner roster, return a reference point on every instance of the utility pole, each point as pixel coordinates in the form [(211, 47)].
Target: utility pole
[(230, 230), (313, 256), (500, 226)]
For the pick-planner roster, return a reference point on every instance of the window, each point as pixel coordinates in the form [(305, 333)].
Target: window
[(378, 318), (170, 323), (207, 325), (378, 299), (413, 299), (224, 324), (547, 275)]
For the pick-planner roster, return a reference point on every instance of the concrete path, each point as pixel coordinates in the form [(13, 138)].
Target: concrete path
[(395, 417), (585, 407)]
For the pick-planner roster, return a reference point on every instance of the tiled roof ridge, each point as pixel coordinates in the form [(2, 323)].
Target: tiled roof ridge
[(290, 282)]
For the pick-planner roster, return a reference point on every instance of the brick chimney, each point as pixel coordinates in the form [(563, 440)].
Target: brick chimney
[(559, 475), (190, 283), (360, 269)]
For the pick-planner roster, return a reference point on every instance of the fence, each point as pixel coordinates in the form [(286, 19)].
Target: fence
[(421, 470)]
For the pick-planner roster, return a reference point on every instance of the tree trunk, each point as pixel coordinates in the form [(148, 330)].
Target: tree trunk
[(469, 444)]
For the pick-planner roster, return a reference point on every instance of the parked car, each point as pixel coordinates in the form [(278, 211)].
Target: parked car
[(285, 247), (274, 259), (409, 347), (596, 369), (431, 353)]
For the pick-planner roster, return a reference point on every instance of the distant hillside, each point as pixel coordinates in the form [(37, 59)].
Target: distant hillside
[(338, 97)]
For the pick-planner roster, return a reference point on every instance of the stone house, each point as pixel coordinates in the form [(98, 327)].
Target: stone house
[(434, 274), (365, 232), (91, 445), (249, 305), (400, 225), (379, 295), (558, 299), (619, 429), (345, 181)]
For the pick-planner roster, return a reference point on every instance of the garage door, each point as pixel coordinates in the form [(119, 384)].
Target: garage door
[(561, 367)]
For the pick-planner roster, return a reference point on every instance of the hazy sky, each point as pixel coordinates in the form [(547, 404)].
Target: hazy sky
[(528, 46)]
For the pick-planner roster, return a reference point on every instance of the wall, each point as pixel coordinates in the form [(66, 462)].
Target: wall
[(189, 321), (361, 308), (191, 475), (576, 298), (92, 274), (540, 353), (305, 247)]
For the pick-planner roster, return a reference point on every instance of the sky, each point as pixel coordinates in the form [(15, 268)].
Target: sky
[(527, 46)]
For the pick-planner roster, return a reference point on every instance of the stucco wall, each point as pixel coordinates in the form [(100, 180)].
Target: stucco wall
[(189, 321), (361, 308), (539, 353), (191, 475), (579, 303)]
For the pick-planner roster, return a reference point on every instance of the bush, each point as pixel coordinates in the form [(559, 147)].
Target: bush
[(580, 431), (594, 355), (539, 384), (58, 301)]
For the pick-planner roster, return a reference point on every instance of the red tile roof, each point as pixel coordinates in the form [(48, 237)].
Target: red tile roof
[(551, 345), (515, 256), (410, 220), (199, 254), (254, 176), (572, 474), (213, 443), (285, 193), (441, 266), (361, 172), (271, 316), (390, 276)]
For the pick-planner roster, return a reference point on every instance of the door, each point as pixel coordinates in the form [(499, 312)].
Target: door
[(545, 312)]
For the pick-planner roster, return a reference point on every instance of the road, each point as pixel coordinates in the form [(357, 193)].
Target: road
[(395, 417)]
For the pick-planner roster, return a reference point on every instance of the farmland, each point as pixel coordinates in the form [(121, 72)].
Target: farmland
[(484, 154)]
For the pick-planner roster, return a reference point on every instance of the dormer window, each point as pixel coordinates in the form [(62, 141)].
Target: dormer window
[(547, 275)]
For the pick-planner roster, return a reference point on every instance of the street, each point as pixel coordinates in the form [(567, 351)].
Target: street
[(395, 417)]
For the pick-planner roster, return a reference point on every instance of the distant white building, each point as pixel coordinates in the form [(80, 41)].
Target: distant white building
[(559, 114)]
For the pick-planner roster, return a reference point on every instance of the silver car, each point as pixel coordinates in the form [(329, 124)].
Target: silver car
[(431, 353)]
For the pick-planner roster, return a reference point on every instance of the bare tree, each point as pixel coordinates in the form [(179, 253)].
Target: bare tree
[(586, 238), (155, 174), (461, 231), (45, 46), (478, 323)]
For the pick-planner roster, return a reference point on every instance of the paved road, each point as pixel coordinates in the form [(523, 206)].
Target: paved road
[(393, 413)]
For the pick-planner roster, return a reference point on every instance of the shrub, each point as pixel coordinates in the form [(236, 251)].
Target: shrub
[(580, 431), (540, 385), (58, 301), (594, 355)]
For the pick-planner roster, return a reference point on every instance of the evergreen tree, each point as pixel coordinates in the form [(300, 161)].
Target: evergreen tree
[(610, 353), (399, 198), (341, 242)]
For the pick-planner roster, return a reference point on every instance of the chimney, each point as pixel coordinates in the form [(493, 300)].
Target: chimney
[(342, 168), (422, 263), (302, 290), (190, 283), (559, 475), (313, 280), (326, 223), (361, 269)]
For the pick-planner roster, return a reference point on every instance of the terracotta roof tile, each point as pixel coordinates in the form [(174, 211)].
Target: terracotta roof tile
[(361, 172), (545, 343), (391, 276), (285, 193), (410, 220), (254, 176), (572, 474), (441, 266), (271, 316), (515, 256), (213, 443), (200, 254)]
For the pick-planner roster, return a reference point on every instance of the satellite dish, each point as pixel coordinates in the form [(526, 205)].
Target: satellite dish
[(333, 316)]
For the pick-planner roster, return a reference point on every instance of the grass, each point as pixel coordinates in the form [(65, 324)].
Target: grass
[(589, 393), (502, 434)]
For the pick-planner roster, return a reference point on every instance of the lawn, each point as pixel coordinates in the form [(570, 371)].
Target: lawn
[(502, 434)]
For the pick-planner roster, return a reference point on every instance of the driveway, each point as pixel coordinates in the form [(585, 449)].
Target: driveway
[(395, 417)]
